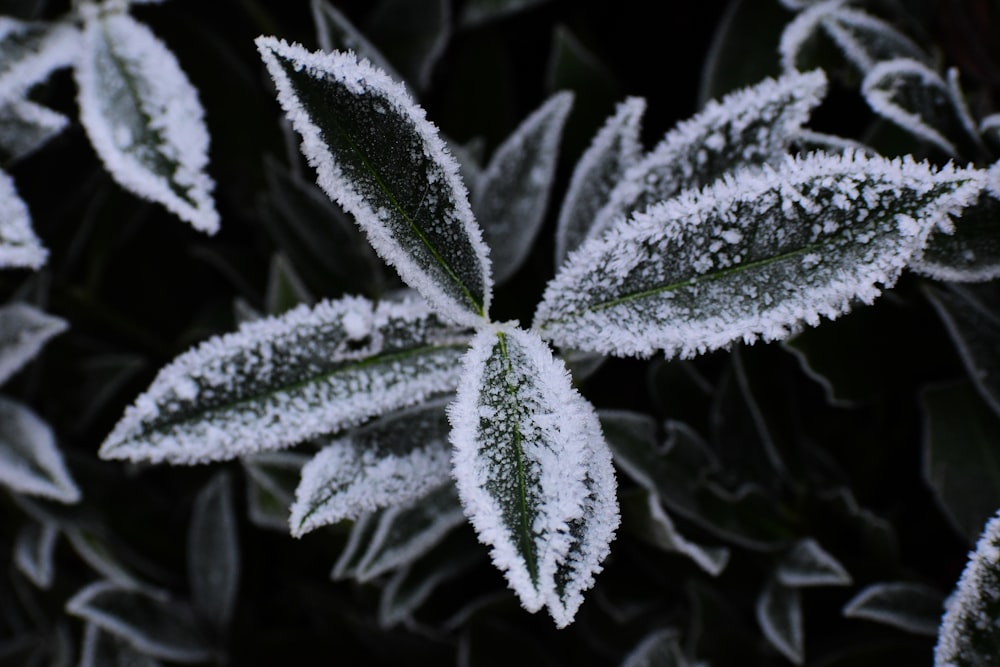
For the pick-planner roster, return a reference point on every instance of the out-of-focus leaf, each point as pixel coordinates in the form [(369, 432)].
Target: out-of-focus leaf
[(30, 461), (478, 12), (25, 127), (808, 564), (102, 649), (33, 552), (413, 35), (24, 329), (779, 613), (285, 289), (214, 552), (98, 553), (905, 605), (19, 246), (971, 253), (335, 32), (31, 50), (271, 478), (660, 648)]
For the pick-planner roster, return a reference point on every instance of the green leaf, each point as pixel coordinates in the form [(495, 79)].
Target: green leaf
[(214, 552), (379, 158), (901, 604), (413, 34), (30, 461), (971, 252), (278, 381), (754, 256)]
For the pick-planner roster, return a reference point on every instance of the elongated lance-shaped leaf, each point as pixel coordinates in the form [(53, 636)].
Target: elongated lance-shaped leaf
[(532, 469), (30, 462), (808, 564), (972, 252), (905, 605), (378, 157), (392, 461), (102, 649), (753, 256), (214, 552), (143, 116), (26, 126), (270, 481), (754, 125), (779, 613), (513, 191), (281, 380), (33, 552), (614, 149), (660, 648), (31, 50), (19, 247), (413, 34), (24, 329), (335, 32), (477, 12), (644, 514)]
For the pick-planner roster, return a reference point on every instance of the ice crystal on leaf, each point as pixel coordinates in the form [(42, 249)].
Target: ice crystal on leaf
[(19, 247), (755, 255), (30, 51)]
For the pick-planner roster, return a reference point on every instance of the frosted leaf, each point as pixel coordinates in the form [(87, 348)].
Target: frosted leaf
[(808, 141), (26, 126), (614, 149), (30, 462), (101, 649), (95, 551), (808, 564), (754, 125), (905, 605), (19, 247), (278, 381), (532, 470), (972, 252), (753, 256), (155, 625), (478, 12), (143, 117), (24, 329), (652, 524), (379, 158), (33, 552), (271, 481), (392, 461), (413, 34), (335, 32), (361, 535), (779, 613), (512, 193), (30, 51), (660, 648), (213, 552), (969, 635)]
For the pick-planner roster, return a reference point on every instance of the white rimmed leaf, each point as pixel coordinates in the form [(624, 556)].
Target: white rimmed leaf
[(33, 552), (972, 252), (155, 625), (278, 381), (379, 158), (26, 126), (19, 246), (779, 613), (24, 329), (477, 12), (271, 478), (660, 648), (902, 604), (360, 536), (614, 149), (989, 128), (512, 193), (392, 461), (413, 34), (94, 549), (214, 552), (335, 32), (143, 117), (808, 564), (285, 288), (754, 256), (644, 515), (102, 649), (532, 470), (31, 50), (969, 635), (30, 462), (754, 125)]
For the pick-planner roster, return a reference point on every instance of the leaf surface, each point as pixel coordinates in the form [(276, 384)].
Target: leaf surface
[(808, 564), (414, 34), (271, 481), (214, 552), (779, 613), (31, 50), (25, 127), (972, 252), (30, 461), (905, 605), (660, 648), (644, 515), (24, 329), (335, 32), (33, 552), (101, 649), (19, 246)]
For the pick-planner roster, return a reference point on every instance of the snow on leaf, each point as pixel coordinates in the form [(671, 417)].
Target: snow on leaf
[(532, 470), (153, 624), (271, 481), (970, 634), (905, 605), (392, 461), (213, 552), (23, 331), (335, 32), (31, 50), (26, 126), (753, 256), (30, 462), (614, 149), (972, 252), (754, 125), (808, 564), (281, 380), (644, 514), (660, 648), (513, 191), (779, 613), (19, 247), (33, 552), (379, 158), (102, 649), (143, 117)]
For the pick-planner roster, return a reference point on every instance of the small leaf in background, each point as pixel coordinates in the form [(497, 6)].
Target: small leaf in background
[(95, 549), (278, 381), (413, 34), (214, 552), (614, 148), (905, 605), (355, 550), (102, 649), (513, 191), (808, 564), (271, 478), (33, 552), (972, 252), (378, 157), (962, 456), (335, 32), (285, 289), (660, 648), (19, 246), (31, 50), (478, 12), (969, 635), (388, 462), (533, 470), (143, 117), (30, 461), (746, 258), (154, 625), (25, 127), (24, 329), (779, 613), (752, 126), (989, 128)]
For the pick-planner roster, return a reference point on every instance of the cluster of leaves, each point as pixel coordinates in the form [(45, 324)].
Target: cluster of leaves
[(421, 425)]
